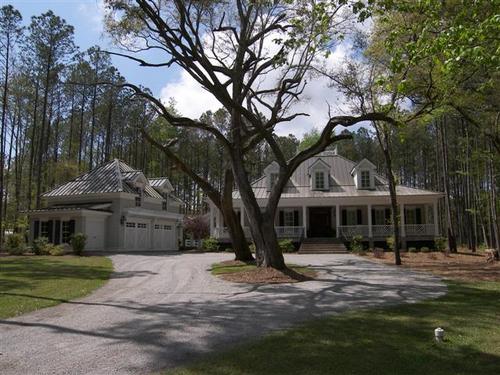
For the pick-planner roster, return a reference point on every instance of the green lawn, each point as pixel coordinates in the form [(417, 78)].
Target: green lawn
[(395, 340), (31, 283), (223, 268)]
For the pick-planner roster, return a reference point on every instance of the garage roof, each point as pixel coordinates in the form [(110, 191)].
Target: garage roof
[(112, 177)]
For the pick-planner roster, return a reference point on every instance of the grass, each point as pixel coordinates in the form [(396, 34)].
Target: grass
[(395, 340), (225, 268), (31, 283)]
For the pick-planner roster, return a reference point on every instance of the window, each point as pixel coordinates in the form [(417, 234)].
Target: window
[(365, 179), (44, 229), (164, 205), (138, 201), (142, 225), (288, 218), (168, 227), (379, 216), (157, 226), (352, 217), (68, 229), (130, 225), (319, 180)]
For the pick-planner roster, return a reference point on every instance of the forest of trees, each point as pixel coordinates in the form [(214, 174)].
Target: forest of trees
[(63, 112)]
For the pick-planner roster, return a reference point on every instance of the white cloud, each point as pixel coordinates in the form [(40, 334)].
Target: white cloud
[(190, 98), (95, 12)]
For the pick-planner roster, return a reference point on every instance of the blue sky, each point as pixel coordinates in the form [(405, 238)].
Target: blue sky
[(87, 18)]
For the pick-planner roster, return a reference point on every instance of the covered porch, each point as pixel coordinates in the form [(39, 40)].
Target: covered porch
[(418, 221)]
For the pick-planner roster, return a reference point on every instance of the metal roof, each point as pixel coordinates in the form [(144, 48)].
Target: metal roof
[(341, 182), (112, 177)]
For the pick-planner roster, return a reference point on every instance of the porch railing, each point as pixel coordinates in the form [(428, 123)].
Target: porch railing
[(281, 232), (382, 231), (419, 230), (349, 231), (289, 232)]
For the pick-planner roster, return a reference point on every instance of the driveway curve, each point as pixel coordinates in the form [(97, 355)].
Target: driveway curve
[(160, 311)]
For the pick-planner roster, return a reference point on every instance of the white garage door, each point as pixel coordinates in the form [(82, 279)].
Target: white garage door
[(164, 236), (136, 235)]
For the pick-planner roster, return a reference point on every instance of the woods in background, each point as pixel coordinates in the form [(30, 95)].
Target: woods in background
[(59, 119)]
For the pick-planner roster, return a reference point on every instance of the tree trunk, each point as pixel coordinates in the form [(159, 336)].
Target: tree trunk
[(444, 153)]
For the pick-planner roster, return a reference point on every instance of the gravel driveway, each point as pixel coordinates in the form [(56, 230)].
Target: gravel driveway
[(160, 311)]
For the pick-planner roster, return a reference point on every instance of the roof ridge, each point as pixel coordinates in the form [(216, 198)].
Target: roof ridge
[(118, 174)]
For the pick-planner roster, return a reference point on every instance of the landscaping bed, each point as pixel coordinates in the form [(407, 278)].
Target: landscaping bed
[(29, 283), (241, 272), (460, 266)]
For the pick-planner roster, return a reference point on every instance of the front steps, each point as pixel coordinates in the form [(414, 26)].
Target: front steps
[(322, 246)]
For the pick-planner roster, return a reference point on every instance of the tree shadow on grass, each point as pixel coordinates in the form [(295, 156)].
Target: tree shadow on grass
[(395, 340)]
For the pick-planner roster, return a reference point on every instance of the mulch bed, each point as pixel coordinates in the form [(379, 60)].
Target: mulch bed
[(461, 266), (265, 275)]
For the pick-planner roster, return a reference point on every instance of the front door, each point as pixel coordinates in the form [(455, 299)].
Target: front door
[(320, 222)]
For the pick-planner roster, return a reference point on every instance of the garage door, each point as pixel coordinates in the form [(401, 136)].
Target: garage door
[(164, 236), (136, 235)]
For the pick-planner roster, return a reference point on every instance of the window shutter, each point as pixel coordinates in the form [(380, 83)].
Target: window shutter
[(360, 216), (344, 217), (57, 232), (36, 229), (373, 217), (50, 225), (296, 218), (281, 219), (418, 216), (72, 227)]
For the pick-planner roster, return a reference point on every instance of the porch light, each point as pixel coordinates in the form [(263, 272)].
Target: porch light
[(439, 334)]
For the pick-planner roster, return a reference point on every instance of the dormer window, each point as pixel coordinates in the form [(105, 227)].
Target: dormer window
[(319, 180), (164, 205), (273, 179), (138, 201), (365, 180)]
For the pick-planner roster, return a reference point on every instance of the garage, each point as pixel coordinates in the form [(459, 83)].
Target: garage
[(137, 235), (164, 236)]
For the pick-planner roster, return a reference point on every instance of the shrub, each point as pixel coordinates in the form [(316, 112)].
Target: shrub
[(210, 244), (413, 250), (391, 241), (440, 243), (357, 244), (55, 250), (39, 245), (425, 249), (15, 244), (287, 246), (78, 242)]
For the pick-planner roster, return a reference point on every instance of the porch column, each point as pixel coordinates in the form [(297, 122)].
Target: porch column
[(304, 220), (435, 217), (242, 216), (403, 229), (212, 208), (337, 218), (402, 219), (370, 233)]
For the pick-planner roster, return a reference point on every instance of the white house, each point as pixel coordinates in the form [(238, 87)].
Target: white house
[(331, 196), (116, 206)]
